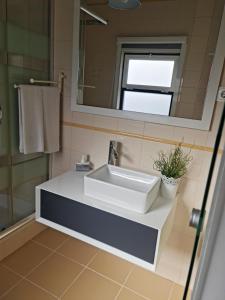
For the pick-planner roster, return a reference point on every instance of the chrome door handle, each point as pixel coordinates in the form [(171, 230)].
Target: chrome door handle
[(1, 114), (195, 218)]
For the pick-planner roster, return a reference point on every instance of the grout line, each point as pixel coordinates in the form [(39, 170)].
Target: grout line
[(42, 245), (119, 292), (11, 288), (124, 282), (13, 271), (75, 279), (131, 290), (71, 259), (91, 260), (171, 291), (139, 136), (51, 249), (85, 267), (61, 244), (138, 294), (38, 265), (40, 287), (70, 285), (104, 276), (24, 278)]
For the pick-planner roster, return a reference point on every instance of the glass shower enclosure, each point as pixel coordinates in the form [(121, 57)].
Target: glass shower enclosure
[(24, 54)]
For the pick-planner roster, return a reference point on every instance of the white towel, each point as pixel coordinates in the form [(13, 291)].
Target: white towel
[(39, 122), (51, 102), (31, 126)]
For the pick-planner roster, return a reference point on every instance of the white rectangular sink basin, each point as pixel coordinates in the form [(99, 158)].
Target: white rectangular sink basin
[(129, 189)]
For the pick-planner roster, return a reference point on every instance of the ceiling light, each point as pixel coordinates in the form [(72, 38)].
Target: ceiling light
[(124, 4)]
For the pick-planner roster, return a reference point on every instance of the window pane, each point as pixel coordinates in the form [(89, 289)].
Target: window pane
[(151, 103), (150, 72)]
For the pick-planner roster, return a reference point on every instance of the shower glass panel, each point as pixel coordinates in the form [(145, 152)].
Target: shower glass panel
[(5, 187), (24, 54)]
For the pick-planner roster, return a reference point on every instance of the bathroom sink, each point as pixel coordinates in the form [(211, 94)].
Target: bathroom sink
[(129, 189)]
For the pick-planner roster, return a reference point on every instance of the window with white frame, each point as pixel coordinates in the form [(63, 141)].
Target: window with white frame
[(149, 74)]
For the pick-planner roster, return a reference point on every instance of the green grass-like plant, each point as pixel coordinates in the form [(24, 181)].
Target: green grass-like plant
[(173, 164)]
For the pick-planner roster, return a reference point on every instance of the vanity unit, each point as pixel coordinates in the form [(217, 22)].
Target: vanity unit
[(138, 238)]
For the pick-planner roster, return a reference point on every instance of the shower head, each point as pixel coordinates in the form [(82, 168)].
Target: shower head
[(124, 4)]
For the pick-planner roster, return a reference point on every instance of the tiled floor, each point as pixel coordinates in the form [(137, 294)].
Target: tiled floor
[(55, 266)]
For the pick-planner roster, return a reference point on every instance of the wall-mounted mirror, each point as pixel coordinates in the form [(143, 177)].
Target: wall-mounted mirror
[(152, 62)]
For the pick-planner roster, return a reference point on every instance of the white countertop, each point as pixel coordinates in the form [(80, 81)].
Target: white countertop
[(71, 185)]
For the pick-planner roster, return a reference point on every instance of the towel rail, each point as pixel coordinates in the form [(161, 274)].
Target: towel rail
[(59, 83)]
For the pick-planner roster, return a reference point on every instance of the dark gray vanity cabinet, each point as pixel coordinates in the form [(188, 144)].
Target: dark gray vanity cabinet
[(128, 236)]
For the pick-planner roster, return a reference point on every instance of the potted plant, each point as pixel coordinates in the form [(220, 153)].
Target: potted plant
[(173, 166)]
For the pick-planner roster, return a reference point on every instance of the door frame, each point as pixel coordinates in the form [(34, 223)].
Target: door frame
[(212, 263)]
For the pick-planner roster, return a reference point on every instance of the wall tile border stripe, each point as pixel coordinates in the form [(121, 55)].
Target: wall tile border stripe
[(139, 136)]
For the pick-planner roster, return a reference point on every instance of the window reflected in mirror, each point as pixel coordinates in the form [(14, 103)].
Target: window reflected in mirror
[(155, 59)]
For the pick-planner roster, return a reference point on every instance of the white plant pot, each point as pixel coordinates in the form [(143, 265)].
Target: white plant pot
[(169, 187)]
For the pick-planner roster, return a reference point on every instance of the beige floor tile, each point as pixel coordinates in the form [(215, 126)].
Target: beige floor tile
[(55, 274), (7, 280), (149, 284), (51, 238), (91, 286), (26, 258), (78, 250), (111, 266), (129, 295), (177, 293), (27, 291)]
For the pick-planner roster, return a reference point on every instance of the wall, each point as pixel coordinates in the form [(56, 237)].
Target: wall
[(210, 286), (90, 134)]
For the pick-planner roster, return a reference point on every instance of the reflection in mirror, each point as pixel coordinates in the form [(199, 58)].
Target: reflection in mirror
[(154, 59)]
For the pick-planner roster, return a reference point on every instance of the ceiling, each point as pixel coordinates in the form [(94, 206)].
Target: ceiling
[(105, 2)]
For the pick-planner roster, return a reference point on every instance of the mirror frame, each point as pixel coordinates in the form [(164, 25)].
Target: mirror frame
[(211, 90)]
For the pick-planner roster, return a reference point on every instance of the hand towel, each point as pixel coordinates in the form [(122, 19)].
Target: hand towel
[(51, 105), (31, 119)]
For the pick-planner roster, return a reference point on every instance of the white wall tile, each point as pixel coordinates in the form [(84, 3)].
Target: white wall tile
[(105, 122), (63, 54), (131, 153), (191, 79), (187, 135), (66, 137), (149, 154), (205, 8), (202, 26), (131, 126), (67, 113), (197, 43), (83, 118), (195, 61), (159, 131), (56, 172), (81, 139), (63, 20), (61, 160)]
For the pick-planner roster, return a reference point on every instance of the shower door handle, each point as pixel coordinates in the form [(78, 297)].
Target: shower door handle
[(1, 114), (195, 218)]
